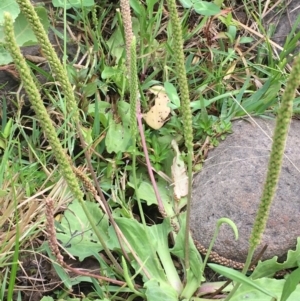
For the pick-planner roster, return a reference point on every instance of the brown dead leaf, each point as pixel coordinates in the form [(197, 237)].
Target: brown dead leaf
[(158, 114), (34, 58)]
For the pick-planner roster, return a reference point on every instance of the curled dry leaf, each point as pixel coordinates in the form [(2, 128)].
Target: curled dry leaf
[(35, 59), (158, 114), (179, 174)]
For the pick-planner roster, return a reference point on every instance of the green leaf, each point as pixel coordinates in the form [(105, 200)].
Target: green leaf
[(5, 57), (150, 4), (103, 106), (47, 298), (244, 40), (146, 193), (194, 273), (9, 6), (123, 112), (138, 237), (3, 193), (7, 129), (160, 234), (156, 290), (109, 72), (230, 223), (291, 284), (90, 89), (206, 8), (23, 33), (118, 137), (252, 103), (186, 3), (2, 144), (246, 292), (240, 278), (75, 232), (115, 74), (178, 250), (73, 3), (173, 95), (87, 135), (137, 7), (231, 33), (269, 267), (116, 44), (218, 2)]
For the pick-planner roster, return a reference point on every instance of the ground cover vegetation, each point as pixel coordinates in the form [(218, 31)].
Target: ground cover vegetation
[(97, 157)]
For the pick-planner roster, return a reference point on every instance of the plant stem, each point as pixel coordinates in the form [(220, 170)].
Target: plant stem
[(48, 128), (186, 113), (275, 162), (59, 72)]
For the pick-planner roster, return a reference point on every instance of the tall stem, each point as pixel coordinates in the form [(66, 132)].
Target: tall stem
[(185, 110)]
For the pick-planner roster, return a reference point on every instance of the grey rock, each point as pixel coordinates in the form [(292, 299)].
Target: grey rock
[(230, 185)]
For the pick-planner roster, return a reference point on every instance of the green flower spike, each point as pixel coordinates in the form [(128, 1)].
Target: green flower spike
[(38, 106), (185, 110), (58, 70), (274, 167), (48, 128), (126, 16), (133, 88), (276, 156)]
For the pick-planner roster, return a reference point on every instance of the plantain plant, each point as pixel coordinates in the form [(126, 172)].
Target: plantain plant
[(283, 120), (38, 105)]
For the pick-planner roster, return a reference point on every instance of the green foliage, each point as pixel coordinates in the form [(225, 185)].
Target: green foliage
[(258, 286), (9, 6), (232, 29), (23, 32), (118, 137), (73, 3), (75, 232), (238, 277), (14, 268), (291, 285), (5, 133), (156, 290), (269, 267), (201, 7), (158, 151), (259, 289)]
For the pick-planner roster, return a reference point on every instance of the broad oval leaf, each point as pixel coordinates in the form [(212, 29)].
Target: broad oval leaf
[(186, 3), (73, 3), (8, 6), (206, 8)]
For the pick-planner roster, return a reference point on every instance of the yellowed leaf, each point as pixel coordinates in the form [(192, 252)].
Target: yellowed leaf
[(158, 114), (179, 174), (156, 89), (230, 71)]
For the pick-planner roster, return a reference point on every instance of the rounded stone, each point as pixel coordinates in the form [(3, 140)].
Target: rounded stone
[(231, 183)]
